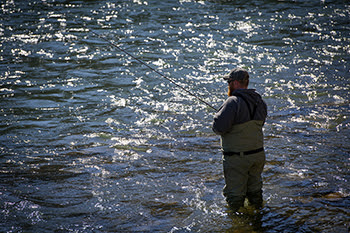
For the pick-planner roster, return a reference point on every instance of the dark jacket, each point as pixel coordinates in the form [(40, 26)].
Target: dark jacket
[(243, 106)]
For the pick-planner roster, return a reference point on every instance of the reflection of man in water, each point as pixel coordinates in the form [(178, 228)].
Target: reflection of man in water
[(239, 122)]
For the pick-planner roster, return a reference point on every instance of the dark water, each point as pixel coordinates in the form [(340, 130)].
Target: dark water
[(93, 141)]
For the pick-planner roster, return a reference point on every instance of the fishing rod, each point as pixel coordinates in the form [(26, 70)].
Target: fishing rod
[(151, 68)]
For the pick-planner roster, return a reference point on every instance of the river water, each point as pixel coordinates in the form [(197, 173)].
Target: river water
[(93, 141)]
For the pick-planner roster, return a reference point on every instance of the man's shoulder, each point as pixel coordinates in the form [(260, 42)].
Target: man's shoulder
[(231, 100)]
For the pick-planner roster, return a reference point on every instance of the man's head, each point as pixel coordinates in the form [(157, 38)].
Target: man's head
[(238, 78)]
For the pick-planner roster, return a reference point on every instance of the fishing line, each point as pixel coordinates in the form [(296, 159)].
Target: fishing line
[(151, 68), (143, 63)]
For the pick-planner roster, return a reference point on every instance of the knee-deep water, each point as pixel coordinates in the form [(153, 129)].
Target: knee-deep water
[(93, 141)]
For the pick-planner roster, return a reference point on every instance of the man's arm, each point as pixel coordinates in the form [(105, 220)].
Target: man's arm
[(224, 118)]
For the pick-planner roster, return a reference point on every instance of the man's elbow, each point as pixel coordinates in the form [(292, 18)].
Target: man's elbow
[(217, 130)]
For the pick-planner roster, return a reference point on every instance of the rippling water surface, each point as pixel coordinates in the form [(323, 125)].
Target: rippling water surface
[(93, 141)]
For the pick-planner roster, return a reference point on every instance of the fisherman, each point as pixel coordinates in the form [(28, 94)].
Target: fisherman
[(239, 122)]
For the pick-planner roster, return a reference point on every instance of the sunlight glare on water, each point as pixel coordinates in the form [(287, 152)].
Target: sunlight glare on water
[(93, 141)]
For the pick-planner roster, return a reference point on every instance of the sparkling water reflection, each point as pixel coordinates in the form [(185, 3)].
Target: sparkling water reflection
[(92, 141)]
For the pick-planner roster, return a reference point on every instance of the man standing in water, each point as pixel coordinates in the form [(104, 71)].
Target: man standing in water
[(239, 122)]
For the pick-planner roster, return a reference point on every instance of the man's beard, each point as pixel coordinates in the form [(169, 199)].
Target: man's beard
[(230, 91)]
